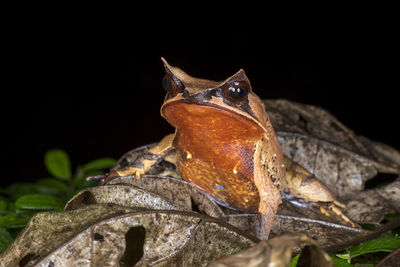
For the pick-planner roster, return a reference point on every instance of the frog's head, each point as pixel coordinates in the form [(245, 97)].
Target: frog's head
[(233, 94)]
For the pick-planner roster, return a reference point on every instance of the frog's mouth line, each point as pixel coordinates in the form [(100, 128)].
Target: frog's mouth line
[(213, 98), (206, 96)]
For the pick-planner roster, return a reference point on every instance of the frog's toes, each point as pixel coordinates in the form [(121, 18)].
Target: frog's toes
[(137, 172), (335, 208), (340, 205)]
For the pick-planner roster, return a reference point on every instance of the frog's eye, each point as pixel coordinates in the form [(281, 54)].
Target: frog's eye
[(236, 92), (171, 85), (167, 83)]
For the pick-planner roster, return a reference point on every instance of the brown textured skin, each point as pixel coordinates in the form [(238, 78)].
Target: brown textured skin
[(230, 151), (304, 185), (221, 141), (230, 157), (268, 177)]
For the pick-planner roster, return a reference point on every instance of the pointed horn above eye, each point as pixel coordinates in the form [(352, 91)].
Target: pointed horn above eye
[(168, 68), (174, 71), (238, 76), (166, 65)]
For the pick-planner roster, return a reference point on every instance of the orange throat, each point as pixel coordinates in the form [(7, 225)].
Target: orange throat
[(215, 152)]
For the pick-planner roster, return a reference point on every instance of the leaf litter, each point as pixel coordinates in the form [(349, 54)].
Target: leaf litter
[(165, 220)]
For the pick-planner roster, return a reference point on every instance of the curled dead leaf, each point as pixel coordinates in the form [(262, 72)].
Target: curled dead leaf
[(343, 171), (46, 231), (177, 191), (344, 161), (277, 252), (156, 238), (315, 122), (185, 196), (123, 195), (160, 192), (155, 219)]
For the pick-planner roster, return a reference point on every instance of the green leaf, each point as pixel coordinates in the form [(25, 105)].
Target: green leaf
[(51, 186), (345, 256), (391, 216), (39, 202), (99, 164), (3, 205), (16, 190), (383, 244), (58, 164), (295, 259), (5, 239), (11, 207), (340, 262), (13, 220)]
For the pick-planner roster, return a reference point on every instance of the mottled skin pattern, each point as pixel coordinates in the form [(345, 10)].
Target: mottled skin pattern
[(226, 146), (217, 147)]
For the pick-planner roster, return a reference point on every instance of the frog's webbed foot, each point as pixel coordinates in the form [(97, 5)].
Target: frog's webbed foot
[(139, 167), (142, 164), (320, 209)]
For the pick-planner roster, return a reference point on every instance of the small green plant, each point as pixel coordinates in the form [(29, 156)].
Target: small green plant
[(19, 201), (368, 253)]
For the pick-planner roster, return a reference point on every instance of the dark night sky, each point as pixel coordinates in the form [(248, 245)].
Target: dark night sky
[(97, 92)]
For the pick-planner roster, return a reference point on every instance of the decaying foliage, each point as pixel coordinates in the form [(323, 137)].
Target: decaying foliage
[(161, 220)]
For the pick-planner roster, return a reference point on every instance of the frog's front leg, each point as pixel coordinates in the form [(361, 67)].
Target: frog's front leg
[(268, 176), (301, 185), (145, 161)]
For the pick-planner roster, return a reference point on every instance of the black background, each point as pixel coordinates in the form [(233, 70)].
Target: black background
[(95, 90)]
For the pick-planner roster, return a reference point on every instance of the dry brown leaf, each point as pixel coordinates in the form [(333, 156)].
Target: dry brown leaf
[(156, 238), (46, 231), (290, 218), (177, 191), (391, 260), (177, 194), (344, 161), (150, 220), (123, 195), (343, 171), (157, 192), (277, 252), (312, 121)]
